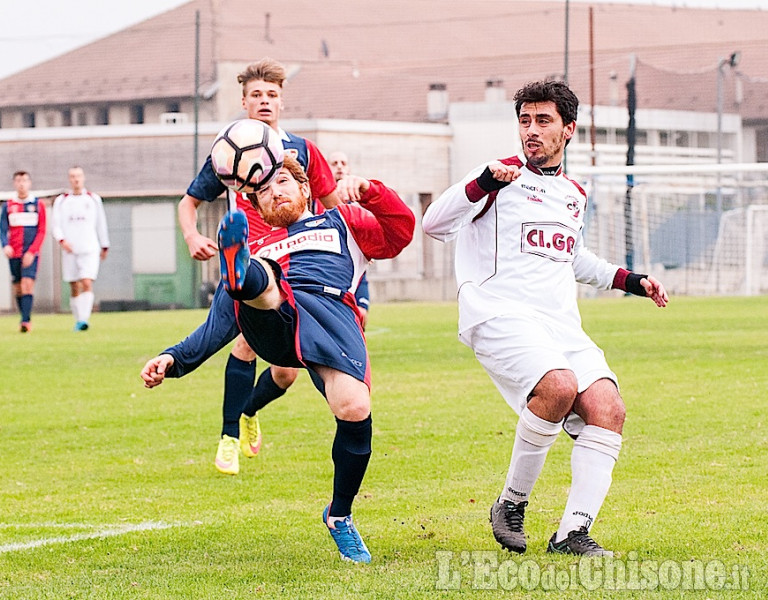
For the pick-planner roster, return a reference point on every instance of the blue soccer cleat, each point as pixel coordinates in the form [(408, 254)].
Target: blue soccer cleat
[(233, 249), (350, 544)]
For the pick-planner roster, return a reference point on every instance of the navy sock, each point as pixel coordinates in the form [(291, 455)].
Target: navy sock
[(255, 282), (238, 383), (351, 453), (25, 306), (18, 303), (265, 391)]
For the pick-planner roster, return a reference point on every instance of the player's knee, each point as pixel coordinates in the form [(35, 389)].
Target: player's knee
[(284, 376), (353, 409), (242, 350), (557, 389)]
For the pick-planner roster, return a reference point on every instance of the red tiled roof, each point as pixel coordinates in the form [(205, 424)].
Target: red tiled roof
[(366, 59)]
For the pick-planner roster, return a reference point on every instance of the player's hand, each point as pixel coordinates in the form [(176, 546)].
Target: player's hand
[(351, 188), (65, 246), (201, 247), (655, 291), (104, 252), (27, 259), (363, 317), (8, 251), (153, 372), (502, 172)]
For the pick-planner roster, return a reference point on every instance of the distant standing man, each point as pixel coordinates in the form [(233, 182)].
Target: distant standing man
[(519, 254), (22, 231), (80, 228)]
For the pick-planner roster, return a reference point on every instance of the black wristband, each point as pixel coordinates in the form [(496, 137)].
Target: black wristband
[(632, 284), (487, 182)]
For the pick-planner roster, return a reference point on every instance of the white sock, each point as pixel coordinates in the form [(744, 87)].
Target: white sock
[(86, 306), (533, 439), (74, 306), (594, 454)]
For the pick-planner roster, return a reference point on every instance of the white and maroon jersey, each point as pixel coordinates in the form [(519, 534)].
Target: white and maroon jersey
[(80, 220), (519, 249)]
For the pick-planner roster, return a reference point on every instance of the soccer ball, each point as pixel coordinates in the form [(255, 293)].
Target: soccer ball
[(246, 155)]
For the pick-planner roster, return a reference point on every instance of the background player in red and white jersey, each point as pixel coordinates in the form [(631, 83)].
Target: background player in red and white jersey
[(80, 228), (262, 99), (519, 255), (22, 231)]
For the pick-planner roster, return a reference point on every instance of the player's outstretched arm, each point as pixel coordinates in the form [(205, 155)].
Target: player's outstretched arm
[(200, 247), (153, 372), (655, 290)]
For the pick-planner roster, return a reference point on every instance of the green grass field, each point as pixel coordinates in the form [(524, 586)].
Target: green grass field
[(108, 490)]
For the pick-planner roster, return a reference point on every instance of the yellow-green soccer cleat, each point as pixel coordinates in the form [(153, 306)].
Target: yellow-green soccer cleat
[(250, 435), (228, 455)]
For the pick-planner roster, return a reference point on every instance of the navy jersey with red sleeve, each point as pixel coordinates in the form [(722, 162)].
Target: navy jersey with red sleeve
[(22, 225), (322, 259)]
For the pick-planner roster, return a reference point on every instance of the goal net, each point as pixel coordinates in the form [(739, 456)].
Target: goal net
[(701, 229)]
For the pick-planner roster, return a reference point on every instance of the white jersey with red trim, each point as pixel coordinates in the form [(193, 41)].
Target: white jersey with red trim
[(80, 220), (519, 249)]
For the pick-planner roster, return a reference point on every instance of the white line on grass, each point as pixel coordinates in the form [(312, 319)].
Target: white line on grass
[(109, 531)]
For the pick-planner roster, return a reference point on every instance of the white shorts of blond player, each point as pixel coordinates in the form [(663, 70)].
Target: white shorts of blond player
[(517, 352), (75, 267)]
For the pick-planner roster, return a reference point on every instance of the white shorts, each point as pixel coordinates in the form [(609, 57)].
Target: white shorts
[(517, 352), (75, 267)]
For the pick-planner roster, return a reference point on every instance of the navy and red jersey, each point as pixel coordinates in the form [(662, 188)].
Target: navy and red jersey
[(22, 225), (207, 187), (322, 259), (331, 251)]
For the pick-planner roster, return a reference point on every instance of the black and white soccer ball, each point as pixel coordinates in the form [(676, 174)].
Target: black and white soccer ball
[(247, 155)]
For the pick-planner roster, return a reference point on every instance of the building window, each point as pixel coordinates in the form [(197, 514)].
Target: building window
[(137, 114), (762, 145), (682, 139), (664, 138), (82, 118), (1, 120), (102, 116), (427, 250), (173, 107), (641, 137), (28, 119), (66, 117)]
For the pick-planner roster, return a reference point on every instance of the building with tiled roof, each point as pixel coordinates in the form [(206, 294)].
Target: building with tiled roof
[(415, 91)]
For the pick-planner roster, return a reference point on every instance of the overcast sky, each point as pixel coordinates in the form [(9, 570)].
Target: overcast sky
[(32, 31)]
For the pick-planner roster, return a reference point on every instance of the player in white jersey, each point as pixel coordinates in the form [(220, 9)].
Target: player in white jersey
[(80, 228), (519, 255)]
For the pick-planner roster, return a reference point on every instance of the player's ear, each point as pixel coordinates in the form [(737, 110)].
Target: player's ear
[(569, 130)]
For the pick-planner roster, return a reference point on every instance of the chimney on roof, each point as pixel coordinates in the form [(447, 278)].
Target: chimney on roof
[(437, 102), (494, 91), (267, 29), (613, 88)]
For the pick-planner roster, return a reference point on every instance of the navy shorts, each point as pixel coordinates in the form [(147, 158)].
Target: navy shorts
[(308, 329), (17, 271)]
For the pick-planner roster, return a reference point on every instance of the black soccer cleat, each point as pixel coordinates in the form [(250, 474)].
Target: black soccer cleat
[(507, 524), (577, 542)]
